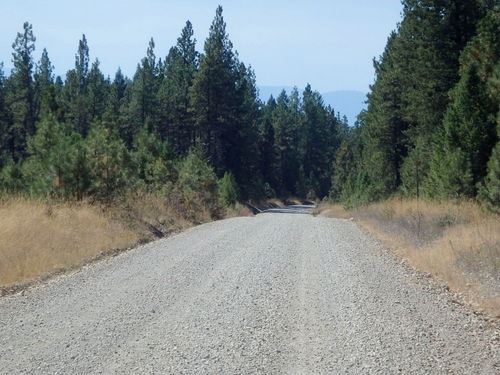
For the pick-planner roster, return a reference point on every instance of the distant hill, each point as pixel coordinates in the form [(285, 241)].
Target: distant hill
[(348, 103)]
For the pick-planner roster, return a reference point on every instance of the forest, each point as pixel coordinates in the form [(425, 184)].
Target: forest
[(189, 124)]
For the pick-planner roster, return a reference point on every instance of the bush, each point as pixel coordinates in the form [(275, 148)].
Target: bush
[(228, 190), (197, 186), (489, 191)]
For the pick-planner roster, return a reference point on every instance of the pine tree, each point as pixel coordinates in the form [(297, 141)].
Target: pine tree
[(319, 144), (98, 92), (215, 101), (108, 162), (489, 190), (151, 159), (385, 130), (5, 122), (76, 99), (43, 87), (247, 172), (228, 190), (287, 122), (49, 168), (463, 147), (142, 107), (268, 156), (175, 123), (20, 93), (198, 186), (465, 143)]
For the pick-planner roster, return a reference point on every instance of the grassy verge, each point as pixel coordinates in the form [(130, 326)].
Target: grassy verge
[(40, 238), (459, 244)]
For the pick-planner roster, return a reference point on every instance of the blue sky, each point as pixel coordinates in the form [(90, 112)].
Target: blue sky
[(327, 43)]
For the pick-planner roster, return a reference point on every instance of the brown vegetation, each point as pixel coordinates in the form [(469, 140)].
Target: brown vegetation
[(38, 238), (458, 243)]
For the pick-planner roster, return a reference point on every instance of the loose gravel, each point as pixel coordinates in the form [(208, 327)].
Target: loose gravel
[(276, 293)]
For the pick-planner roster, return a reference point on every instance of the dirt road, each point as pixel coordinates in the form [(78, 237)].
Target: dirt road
[(278, 293)]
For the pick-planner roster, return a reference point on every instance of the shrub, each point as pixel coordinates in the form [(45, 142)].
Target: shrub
[(197, 186), (228, 190)]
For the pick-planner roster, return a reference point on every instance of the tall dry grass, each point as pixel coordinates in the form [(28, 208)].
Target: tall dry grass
[(37, 237), (458, 243)]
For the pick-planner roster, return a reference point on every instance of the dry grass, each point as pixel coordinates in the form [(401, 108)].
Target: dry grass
[(37, 237), (237, 211), (153, 215), (457, 243), (331, 210)]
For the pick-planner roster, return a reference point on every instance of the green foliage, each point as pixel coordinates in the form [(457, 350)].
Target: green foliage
[(108, 162), (151, 159), (142, 107), (489, 190), (198, 186), (175, 123), (228, 190), (49, 168), (11, 178), (464, 145), (417, 136), (75, 92), (20, 93), (429, 127), (414, 170)]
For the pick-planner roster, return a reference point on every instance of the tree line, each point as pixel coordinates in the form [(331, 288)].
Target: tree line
[(432, 123), (192, 121), (87, 135)]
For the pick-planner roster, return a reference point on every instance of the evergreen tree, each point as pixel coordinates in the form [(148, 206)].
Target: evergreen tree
[(142, 107), (49, 168), (198, 186), (108, 162), (465, 143), (20, 93), (287, 122), (247, 172), (5, 122), (175, 123), (385, 131), (151, 159), (117, 93), (214, 100), (228, 190), (489, 191), (76, 98), (43, 89), (268, 156), (319, 144), (98, 92)]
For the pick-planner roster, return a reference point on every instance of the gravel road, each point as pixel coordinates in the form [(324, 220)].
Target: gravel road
[(278, 293)]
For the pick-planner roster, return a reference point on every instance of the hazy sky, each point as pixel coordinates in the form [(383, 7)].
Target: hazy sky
[(328, 43)]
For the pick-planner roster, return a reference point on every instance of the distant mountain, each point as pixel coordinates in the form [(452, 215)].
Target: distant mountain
[(347, 102)]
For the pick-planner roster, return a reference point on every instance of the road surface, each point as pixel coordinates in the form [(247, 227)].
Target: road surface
[(278, 293)]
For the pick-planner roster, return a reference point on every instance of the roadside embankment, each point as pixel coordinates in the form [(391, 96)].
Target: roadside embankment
[(40, 238), (457, 243)]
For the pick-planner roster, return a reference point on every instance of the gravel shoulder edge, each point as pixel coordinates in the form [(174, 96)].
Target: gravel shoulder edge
[(427, 279)]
